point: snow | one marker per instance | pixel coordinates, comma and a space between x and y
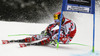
84, 36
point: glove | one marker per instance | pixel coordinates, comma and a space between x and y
53, 42
44, 32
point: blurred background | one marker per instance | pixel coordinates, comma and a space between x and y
37, 11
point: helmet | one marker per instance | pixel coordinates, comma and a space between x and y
57, 17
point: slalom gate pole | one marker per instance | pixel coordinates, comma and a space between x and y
23, 35
93, 50
60, 24
19, 35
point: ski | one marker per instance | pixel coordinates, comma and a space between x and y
22, 45
29, 44
5, 42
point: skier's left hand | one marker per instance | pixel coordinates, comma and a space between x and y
44, 32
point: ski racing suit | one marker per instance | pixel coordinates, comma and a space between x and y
68, 30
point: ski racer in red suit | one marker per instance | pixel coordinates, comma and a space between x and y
68, 30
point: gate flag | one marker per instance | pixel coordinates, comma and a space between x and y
82, 6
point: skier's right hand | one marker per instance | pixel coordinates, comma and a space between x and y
44, 32
53, 42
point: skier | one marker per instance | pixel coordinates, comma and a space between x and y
68, 30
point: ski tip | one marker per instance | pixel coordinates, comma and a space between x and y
5, 42
22, 45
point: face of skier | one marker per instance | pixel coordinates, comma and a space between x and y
57, 21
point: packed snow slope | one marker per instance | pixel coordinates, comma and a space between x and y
84, 36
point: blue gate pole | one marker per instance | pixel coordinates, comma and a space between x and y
60, 23
93, 4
